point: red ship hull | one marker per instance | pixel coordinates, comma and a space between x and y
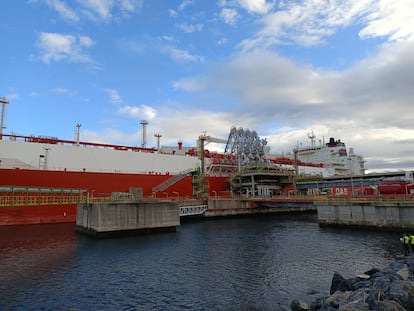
97, 184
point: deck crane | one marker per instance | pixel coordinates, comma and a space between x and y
202, 140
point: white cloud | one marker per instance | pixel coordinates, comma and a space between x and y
63, 10
65, 91
256, 6
309, 23
185, 3
12, 94
172, 13
109, 135
143, 112
189, 85
101, 8
94, 9
168, 38
393, 19
180, 55
229, 16
222, 41
61, 90
190, 28
86, 41
169, 123
55, 47
131, 6
368, 105
114, 96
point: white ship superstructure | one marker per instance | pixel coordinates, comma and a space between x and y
333, 156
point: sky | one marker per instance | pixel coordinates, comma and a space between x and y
282, 68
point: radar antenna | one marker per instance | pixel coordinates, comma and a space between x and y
312, 137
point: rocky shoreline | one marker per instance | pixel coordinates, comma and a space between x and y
388, 289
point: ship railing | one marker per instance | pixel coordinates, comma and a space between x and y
375, 198
55, 141
30, 196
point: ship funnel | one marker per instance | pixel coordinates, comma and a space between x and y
144, 124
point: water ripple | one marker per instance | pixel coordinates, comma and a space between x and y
259, 263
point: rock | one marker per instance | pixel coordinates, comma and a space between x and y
389, 289
337, 298
363, 276
336, 280
372, 271
410, 262
403, 273
381, 283
408, 288
297, 305
354, 306
397, 265
390, 305
397, 294
317, 304
361, 284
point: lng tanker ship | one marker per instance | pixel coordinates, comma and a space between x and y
46, 164
42, 179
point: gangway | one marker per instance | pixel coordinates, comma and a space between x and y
171, 181
192, 210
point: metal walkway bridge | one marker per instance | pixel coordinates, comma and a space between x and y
192, 210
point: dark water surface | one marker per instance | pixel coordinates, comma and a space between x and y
259, 263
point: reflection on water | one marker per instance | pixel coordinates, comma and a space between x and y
259, 263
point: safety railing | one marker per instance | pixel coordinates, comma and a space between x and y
403, 199
30, 196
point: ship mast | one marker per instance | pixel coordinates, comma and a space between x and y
158, 136
3, 102
78, 133
312, 137
144, 124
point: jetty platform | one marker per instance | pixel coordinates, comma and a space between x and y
126, 217
394, 213
218, 207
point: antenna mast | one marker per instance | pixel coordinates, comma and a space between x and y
144, 124
78, 134
158, 136
3, 102
312, 139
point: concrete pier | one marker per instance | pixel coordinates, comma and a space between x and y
126, 217
374, 213
252, 206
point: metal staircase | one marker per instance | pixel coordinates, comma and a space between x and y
171, 181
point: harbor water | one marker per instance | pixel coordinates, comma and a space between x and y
251, 263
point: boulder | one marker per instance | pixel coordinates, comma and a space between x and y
396, 293
354, 306
408, 288
297, 305
339, 283
403, 272
390, 305
410, 262
317, 304
336, 299
372, 271
389, 289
